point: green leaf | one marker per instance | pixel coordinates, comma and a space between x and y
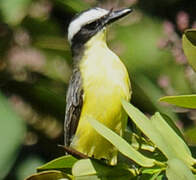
152, 170
171, 123
178, 146
186, 101
94, 177
96, 169
178, 170
59, 163
154, 177
12, 130
123, 147
14, 11
154, 132
160, 177
48, 175
83, 167
146, 126
189, 46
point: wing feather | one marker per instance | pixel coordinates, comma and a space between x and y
74, 102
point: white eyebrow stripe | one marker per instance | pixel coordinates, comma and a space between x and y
85, 18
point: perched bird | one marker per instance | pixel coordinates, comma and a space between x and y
98, 84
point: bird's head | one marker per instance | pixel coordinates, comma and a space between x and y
87, 23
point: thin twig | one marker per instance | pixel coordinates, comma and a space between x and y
74, 152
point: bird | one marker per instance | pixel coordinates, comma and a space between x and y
98, 84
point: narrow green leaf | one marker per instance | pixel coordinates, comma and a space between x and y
189, 46
171, 123
12, 129
125, 148
158, 131
59, 163
152, 170
48, 175
83, 167
186, 101
178, 146
94, 168
160, 177
94, 177
178, 170
154, 177
146, 126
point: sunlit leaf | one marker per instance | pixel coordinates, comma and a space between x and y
145, 125
178, 170
178, 146
83, 167
59, 163
189, 46
48, 175
93, 177
12, 132
14, 11
186, 101
171, 123
96, 169
154, 133
152, 170
123, 147
155, 176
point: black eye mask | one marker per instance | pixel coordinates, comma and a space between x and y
99, 23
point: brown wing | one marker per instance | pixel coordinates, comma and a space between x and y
74, 105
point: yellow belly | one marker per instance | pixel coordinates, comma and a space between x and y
105, 83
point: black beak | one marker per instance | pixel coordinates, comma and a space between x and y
115, 15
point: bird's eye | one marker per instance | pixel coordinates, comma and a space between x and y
92, 25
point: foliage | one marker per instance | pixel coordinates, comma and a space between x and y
35, 66
189, 45
48, 175
187, 101
156, 131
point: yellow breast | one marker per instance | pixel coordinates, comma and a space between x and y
105, 82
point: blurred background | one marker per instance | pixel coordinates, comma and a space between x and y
36, 64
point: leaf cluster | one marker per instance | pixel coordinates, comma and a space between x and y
143, 160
